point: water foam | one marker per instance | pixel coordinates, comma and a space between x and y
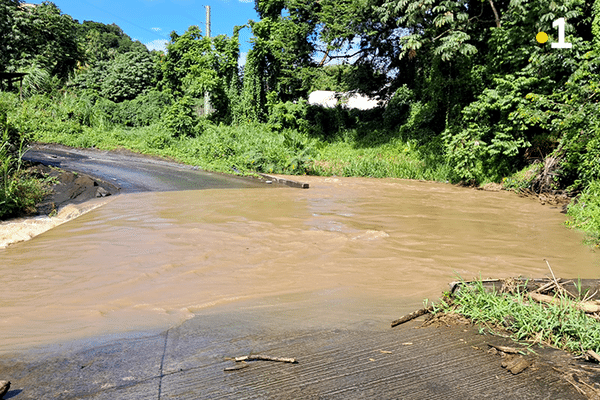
23, 229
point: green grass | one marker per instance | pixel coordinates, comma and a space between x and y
20, 189
585, 213
247, 148
395, 159
560, 325
522, 179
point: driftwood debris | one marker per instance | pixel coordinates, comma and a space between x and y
586, 306
412, 315
515, 364
236, 367
592, 355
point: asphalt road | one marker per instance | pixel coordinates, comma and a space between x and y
131, 172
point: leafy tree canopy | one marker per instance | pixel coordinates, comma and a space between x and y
103, 42
42, 36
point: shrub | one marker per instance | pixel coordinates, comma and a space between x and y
585, 212
181, 118
128, 75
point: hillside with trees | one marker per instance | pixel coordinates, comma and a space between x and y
466, 93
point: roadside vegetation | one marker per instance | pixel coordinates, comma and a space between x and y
20, 188
560, 321
466, 92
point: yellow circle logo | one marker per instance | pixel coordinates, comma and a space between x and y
541, 37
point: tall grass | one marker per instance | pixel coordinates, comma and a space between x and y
246, 148
585, 213
19, 190
560, 325
396, 159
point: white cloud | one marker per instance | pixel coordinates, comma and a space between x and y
156, 29
246, 1
157, 44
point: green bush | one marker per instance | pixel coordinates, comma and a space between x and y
398, 108
181, 118
128, 75
19, 192
289, 115
585, 213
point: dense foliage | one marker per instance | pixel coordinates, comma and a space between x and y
467, 93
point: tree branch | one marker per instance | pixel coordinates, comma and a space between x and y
495, 14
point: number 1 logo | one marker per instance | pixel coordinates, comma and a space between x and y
560, 23
542, 37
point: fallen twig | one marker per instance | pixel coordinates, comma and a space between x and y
260, 357
590, 296
237, 367
544, 287
412, 315
559, 287
505, 349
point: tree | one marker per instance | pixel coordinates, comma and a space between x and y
7, 49
128, 75
101, 42
196, 64
596, 25
43, 37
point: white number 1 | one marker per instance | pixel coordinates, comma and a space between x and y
561, 35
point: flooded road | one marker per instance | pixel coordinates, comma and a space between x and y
345, 251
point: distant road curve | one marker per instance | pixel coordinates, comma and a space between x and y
132, 172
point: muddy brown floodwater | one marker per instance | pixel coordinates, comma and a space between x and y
346, 251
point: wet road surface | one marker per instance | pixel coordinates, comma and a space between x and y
135, 173
189, 362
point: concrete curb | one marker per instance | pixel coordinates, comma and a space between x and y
287, 182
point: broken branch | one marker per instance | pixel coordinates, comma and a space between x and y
260, 357
412, 315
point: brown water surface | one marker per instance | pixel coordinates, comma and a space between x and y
346, 250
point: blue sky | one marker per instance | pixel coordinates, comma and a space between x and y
151, 21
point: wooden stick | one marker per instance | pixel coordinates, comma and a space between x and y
412, 315
505, 349
590, 296
587, 306
559, 287
544, 287
260, 357
553, 277
236, 367
593, 355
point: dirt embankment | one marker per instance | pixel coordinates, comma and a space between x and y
70, 188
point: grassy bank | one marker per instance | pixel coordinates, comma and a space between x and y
247, 148
20, 188
560, 324
585, 213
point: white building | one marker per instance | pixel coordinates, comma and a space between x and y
330, 99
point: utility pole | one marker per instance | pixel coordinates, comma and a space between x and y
207, 21
206, 94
